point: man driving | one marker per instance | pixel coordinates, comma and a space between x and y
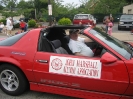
77, 44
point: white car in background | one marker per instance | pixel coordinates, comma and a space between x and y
15, 21
85, 19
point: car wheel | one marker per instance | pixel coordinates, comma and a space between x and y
119, 28
12, 80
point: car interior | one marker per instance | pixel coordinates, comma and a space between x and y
56, 40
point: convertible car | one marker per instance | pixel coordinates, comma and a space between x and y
41, 60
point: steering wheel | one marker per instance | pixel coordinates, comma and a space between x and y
97, 50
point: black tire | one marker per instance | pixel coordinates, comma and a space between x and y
12, 80
119, 28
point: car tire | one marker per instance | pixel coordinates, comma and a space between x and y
119, 28
12, 80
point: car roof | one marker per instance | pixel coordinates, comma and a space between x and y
68, 26
60, 29
127, 14
83, 14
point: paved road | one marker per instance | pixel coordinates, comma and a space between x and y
40, 95
34, 95
115, 29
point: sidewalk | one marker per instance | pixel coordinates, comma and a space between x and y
120, 36
123, 36
13, 32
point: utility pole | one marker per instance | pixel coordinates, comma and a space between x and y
50, 12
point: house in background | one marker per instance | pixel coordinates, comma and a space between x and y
128, 9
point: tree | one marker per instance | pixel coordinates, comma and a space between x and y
25, 8
107, 6
40, 4
84, 2
9, 3
129, 1
1, 7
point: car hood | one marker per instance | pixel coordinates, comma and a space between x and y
126, 20
2, 39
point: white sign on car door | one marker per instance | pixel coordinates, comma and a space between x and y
75, 66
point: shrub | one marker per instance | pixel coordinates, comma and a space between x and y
42, 20
31, 23
38, 25
3, 20
64, 21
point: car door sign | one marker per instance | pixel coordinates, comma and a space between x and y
75, 66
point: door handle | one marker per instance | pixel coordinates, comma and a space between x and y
42, 61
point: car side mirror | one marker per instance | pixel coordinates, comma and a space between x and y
108, 58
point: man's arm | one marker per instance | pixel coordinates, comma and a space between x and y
78, 54
87, 40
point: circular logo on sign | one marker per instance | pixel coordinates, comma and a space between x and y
56, 64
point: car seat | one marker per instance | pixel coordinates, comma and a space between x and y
57, 45
65, 44
45, 45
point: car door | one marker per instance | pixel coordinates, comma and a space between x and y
81, 72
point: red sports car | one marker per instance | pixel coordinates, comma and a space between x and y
41, 60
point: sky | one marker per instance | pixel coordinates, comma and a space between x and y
71, 1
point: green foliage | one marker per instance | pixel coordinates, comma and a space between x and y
106, 6
4, 21
1, 7
42, 20
64, 21
26, 7
32, 23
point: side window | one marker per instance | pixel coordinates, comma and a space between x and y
87, 47
90, 17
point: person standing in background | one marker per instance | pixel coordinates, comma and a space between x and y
110, 26
1, 27
22, 25
26, 27
9, 26
111, 18
106, 24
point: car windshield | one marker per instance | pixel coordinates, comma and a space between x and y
126, 17
81, 17
117, 45
11, 40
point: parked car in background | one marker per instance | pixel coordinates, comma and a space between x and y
24, 19
125, 22
132, 30
15, 21
85, 19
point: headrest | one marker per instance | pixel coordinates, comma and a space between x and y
67, 39
56, 43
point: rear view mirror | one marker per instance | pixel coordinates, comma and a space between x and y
108, 58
